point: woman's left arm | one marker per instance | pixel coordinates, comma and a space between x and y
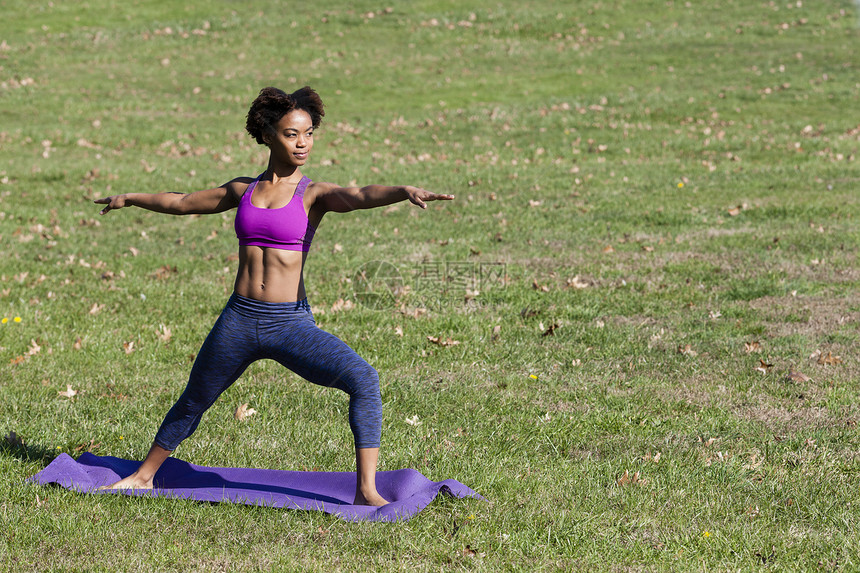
344, 199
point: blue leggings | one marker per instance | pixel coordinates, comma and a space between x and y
250, 330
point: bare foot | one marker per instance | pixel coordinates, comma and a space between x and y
371, 498
131, 482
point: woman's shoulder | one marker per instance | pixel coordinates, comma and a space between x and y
239, 185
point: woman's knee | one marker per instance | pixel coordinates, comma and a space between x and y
362, 381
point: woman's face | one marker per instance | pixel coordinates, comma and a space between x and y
293, 138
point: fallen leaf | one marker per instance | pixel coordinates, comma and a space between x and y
533, 203
34, 348
79, 343
69, 393
446, 342
797, 376
627, 479
828, 359
165, 334
578, 283
164, 272
398, 331
539, 287
750, 347
763, 366
608, 249
85, 447
128, 347
551, 330
413, 421
709, 442
687, 350
735, 211
497, 330
341, 304
243, 412
96, 308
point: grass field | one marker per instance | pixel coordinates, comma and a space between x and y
650, 273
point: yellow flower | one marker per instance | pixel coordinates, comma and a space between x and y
17, 319
706, 534
532, 376
4, 321
120, 437
680, 184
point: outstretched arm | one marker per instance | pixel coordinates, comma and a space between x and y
344, 199
207, 201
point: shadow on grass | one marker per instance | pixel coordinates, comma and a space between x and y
14, 447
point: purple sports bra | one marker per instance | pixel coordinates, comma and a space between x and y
286, 228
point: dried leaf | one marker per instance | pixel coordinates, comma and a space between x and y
243, 412
551, 330
735, 211
608, 249
797, 376
87, 447
497, 330
750, 347
164, 272
686, 350
539, 287
446, 342
413, 421
69, 393
164, 333
398, 330
763, 366
341, 304
96, 308
578, 283
626, 479
34, 348
828, 359
128, 347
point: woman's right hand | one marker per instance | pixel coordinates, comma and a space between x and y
112, 202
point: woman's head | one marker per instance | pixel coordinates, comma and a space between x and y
272, 104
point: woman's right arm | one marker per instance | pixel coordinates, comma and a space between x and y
203, 202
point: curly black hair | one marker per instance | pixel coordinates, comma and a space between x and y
272, 104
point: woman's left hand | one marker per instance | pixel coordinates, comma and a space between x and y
419, 196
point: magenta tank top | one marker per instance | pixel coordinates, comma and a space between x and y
286, 228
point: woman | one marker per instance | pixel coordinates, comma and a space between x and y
268, 315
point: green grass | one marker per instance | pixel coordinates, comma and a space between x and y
693, 166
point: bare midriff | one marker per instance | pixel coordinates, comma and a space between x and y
270, 275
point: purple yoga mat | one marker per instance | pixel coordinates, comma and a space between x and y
332, 492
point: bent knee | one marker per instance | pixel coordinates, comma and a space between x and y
362, 381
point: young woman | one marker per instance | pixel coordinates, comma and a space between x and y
268, 315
